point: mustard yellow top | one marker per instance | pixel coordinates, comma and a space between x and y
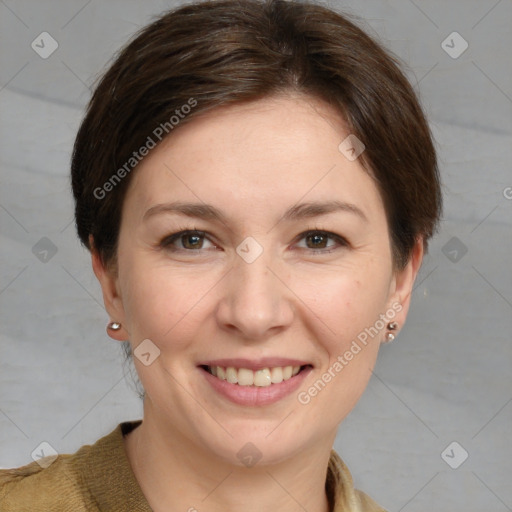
99, 477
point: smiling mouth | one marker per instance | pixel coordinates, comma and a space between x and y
259, 378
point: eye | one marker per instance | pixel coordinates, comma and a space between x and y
190, 240
316, 241
193, 240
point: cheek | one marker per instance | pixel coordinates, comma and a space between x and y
346, 300
169, 305
163, 304
341, 308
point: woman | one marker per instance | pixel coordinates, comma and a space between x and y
257, 184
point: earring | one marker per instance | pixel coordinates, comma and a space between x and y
392, 326
114, 326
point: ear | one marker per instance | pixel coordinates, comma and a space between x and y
403, 282
111, 297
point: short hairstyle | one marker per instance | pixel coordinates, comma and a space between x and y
217, 53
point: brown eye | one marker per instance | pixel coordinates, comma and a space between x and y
317, 241
191, 240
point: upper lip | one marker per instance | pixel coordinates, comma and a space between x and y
255, 364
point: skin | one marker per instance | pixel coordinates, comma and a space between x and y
252, 161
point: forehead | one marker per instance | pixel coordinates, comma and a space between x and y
259, 157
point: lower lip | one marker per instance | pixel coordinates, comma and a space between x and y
256, 395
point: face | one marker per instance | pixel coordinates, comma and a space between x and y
278, 255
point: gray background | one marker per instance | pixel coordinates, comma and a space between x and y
448, 375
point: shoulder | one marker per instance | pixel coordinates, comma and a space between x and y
36, 488
96, 477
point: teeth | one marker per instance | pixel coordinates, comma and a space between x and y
276, 375
231, 375
245, 377
260, 378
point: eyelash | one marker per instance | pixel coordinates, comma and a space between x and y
167, 242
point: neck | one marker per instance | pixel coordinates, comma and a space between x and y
177, 475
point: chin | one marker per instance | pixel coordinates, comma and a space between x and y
263, 444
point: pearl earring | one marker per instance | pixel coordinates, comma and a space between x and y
114, 326
392, 326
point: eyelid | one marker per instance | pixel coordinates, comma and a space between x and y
342, 241
167, 241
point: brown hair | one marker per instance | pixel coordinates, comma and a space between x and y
203, 55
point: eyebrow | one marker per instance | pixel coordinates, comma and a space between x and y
296, 212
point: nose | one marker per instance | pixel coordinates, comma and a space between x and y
256, 303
